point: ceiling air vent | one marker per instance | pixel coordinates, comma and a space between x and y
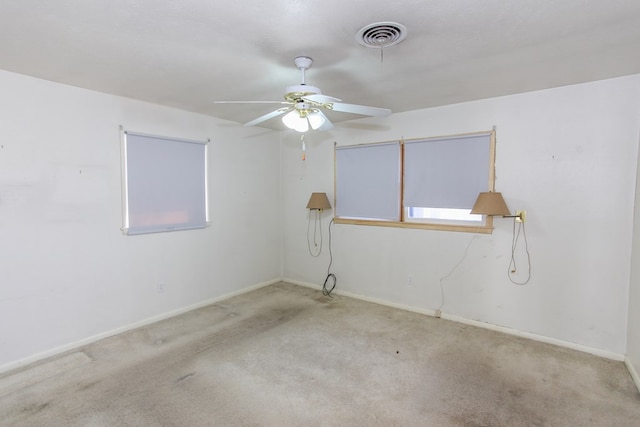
381, 34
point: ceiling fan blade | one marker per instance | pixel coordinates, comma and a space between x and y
268, 116
359, 109
322, 99
327, 125
251, 102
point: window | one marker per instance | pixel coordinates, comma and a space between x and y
368, 177
421, 183
164, 184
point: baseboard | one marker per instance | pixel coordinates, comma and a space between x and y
633, 372
540, 338
83, 342
561, 343
363, 298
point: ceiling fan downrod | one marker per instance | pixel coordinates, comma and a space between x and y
303, 63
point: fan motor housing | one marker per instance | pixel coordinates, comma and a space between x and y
295, 93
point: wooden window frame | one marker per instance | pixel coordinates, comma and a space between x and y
485, 228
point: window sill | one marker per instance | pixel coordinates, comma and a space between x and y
482, 229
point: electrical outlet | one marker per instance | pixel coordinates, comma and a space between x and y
160, 288
410, 280
438, 314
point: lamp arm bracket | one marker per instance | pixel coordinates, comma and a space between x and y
520, 216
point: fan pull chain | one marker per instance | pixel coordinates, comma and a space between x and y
304, 157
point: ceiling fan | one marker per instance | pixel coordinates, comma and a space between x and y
305, 105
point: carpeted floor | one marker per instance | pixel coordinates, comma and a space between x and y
288, 356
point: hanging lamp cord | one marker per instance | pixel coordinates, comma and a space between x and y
316, 225
331, 281
514, 245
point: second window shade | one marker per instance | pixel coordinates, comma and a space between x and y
446, 173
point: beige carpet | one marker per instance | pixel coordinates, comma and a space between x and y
288, 356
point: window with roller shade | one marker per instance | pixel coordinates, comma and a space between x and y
420, 183
368, 182
164, 184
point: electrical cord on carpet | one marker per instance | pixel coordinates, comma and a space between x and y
326, 290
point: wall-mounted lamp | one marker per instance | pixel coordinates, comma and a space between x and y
493, 204
319, 201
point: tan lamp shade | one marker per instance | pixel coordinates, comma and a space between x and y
490, 204
319, 201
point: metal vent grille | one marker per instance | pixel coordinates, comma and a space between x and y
381, 34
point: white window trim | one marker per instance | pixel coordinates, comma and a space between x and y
125, 185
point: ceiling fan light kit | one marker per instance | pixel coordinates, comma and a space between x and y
301, 120
305, 104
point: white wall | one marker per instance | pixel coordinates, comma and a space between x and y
633, 336
567, 155
67, 272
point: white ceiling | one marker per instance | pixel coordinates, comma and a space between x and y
188, 53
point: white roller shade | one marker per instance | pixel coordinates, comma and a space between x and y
446, 173
368, 181
165, 182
